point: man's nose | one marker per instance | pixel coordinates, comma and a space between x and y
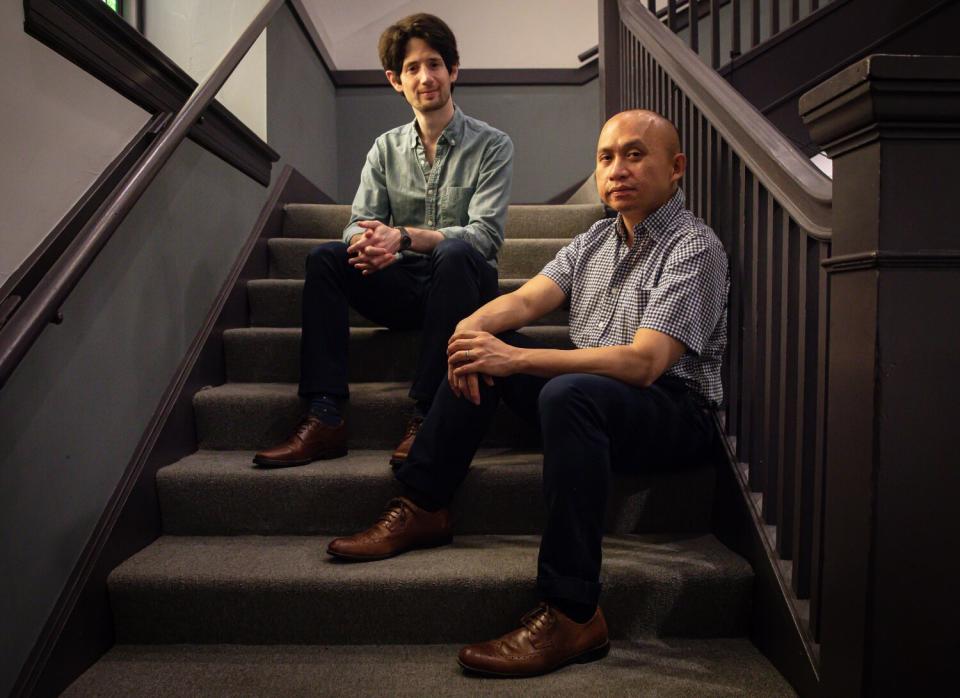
617, 169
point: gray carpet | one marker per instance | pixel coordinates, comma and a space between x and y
287, 590
222, 493
695, 668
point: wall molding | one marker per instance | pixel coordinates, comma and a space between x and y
96, 39
79, 629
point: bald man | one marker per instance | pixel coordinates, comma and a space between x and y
648, 295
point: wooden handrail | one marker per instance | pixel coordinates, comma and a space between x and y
804, 191
43, 305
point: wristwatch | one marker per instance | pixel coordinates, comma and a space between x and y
405, 239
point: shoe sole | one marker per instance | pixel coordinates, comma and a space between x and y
591, 655
374, 558
325, 455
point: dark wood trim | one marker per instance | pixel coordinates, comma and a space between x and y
777, 622
889, 259
96, 39
483, 77
29, 273
80, 628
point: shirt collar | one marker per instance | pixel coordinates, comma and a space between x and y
452, 132
657, 224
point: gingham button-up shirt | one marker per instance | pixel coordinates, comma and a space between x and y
673, 279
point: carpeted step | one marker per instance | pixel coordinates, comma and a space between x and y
251, 416
272, 354
286, 589
667, 667
278, 303
533, 221
222, 493
521, 258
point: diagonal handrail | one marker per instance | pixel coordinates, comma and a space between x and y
802, 189
42, 306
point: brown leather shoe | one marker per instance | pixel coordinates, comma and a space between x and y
402, 526
546, 641
312, 440
400, 454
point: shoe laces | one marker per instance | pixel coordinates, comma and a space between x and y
305, 425
413, 426
538, 619
393, 514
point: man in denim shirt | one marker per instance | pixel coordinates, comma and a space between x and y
420, 250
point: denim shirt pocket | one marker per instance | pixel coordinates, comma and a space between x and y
454, 205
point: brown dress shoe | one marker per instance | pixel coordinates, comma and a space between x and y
400, 454
402, 526
313, 440
546, 641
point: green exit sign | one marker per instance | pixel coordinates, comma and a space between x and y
113, 5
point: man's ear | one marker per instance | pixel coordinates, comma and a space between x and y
454, 73
679, 167
394, 80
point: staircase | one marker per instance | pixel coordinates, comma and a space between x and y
239, 598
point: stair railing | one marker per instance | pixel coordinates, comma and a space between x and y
43, 304
682, 15
773, 211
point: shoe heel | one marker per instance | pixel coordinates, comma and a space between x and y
594, 654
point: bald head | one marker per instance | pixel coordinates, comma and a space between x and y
652, 125
639, 163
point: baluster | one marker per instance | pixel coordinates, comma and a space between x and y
819, 454
795, 11
672, 15
773, 276
806, 425
631, 96
754, 23
791, 381
730, 198
693, 22
814, 4
775, 17
715, 33
624, 37
652, 6
758, 428
747, 325
703, 155
735, 30
758, 273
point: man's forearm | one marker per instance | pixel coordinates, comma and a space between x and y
628, 363
507, 312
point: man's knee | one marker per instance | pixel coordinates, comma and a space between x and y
571, 393
452, 253
327, 256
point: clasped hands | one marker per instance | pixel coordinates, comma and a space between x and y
473, 355
375, 248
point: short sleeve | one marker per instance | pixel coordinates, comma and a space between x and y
692, 294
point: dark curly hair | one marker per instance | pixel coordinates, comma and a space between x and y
433, 30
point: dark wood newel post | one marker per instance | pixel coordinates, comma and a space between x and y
889, 612
609, 58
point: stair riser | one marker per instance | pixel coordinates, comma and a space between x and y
349, 613
278, 303
378, 422
518, 258
492, 500
268, 356
328, 221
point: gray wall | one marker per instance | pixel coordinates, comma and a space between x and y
75, 408
60, 127
301, 104
554, 131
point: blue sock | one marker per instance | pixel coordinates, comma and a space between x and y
326, 409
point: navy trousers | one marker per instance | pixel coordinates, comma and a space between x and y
433, 293
591, 427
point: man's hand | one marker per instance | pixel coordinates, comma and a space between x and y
473, 354
374, 249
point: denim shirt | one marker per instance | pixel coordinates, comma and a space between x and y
463, 195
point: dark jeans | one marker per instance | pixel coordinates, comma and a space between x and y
591, 427
433, 293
